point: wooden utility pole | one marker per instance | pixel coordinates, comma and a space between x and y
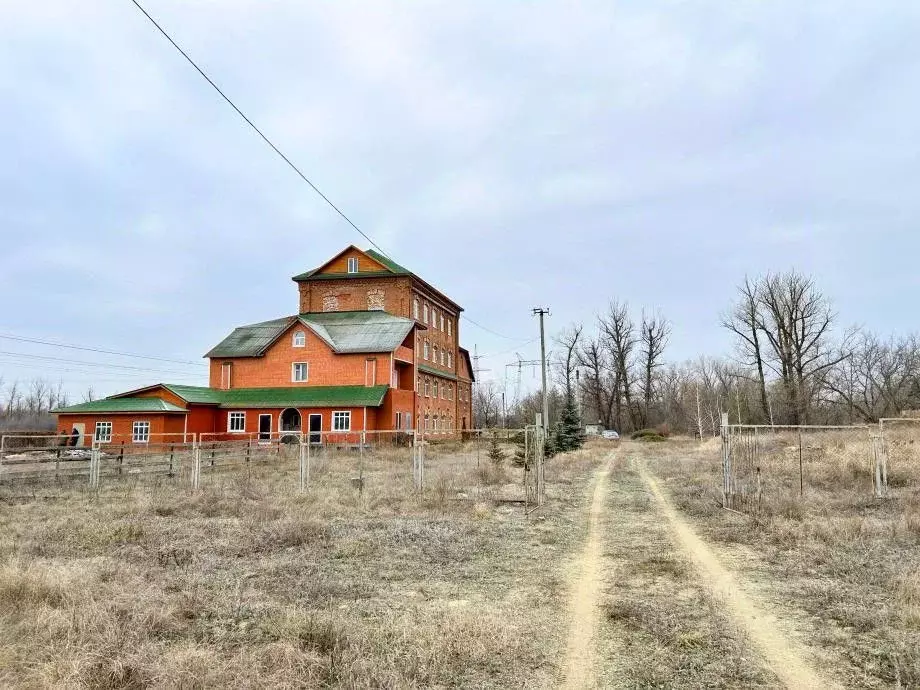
543, 311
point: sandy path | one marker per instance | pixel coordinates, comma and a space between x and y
783, 656
585, 592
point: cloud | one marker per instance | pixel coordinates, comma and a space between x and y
513, 154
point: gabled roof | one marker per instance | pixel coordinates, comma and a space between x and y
252, 340
379, 258
392, 267
344, 331
359, 331
122, 405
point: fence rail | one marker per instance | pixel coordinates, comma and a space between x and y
348, 460
767, 466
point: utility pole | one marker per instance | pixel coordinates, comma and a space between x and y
543, 311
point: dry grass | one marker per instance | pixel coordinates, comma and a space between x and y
841, 563
248, 583
662, 628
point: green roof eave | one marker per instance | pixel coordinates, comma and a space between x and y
304, 396
436, 372
338, 276
122, 405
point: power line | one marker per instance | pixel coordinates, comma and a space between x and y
39, 341
282, 155
256, 129
82, 362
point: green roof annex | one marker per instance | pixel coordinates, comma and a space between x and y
343, 331
304, 396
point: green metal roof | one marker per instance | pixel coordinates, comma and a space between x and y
201, 395
359, 331
305, 396
122, 405
437, 372
389, 263
343, 331
251, 340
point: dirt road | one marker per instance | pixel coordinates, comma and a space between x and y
782, 655
585, 584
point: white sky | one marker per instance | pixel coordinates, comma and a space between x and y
513, 154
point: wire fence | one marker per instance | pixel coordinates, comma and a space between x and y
765, 467
484, 465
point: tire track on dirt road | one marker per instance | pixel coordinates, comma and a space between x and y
585, 593
783, 656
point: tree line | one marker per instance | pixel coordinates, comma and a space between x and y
790, 363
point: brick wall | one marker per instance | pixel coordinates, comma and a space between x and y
122, 424
326, 368
356, 294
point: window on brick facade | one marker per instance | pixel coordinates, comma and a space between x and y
443, 357
442, 323
300, 371
415, 308
425, 313
449, 328
427, 350
341, 421
450, 391
236, 422
103, 432
226, 374
436, 388
427, 387
300, 339
353, 264
450, 360
434, 357
140, 432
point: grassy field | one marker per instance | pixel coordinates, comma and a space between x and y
841, 566
249, 583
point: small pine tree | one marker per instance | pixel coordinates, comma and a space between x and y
569, 434
496, 455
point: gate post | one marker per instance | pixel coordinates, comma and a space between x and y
196, 466
304, 464
94, 466
726, 462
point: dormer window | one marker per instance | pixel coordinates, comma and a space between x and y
300, 339
353, 264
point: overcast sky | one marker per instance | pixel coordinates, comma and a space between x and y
513, 154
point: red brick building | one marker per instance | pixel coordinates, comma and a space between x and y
373, 347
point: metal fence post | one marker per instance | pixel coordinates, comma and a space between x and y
801, 468
196, 466
726, 462
304, 464
94, 466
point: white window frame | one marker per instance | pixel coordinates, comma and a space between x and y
449, 333
443, 358
427, 387
425, 312
450, 359
434, 354
239, 417
435, 387
352, 264
337, 416
415, 308
102, 438
442, 323
426, 349
306, 370
299, 339
143, 437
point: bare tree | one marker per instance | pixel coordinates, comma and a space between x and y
744, 321
619, 335
486, 405
598, 385
568, 359
653, 337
